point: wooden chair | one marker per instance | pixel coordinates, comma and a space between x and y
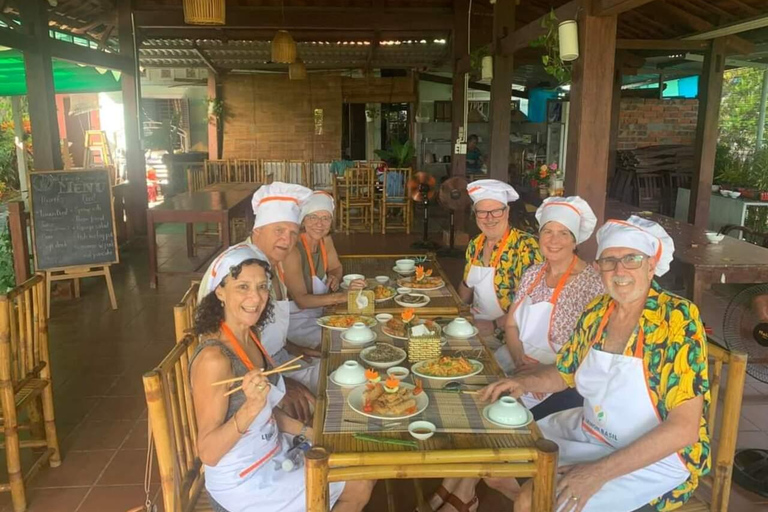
321, 177
184, 311
395, 197
718, 481
358, 195
174, 429
249, 171
25, 384
649, 189
674, 181
750, 235
297, 172
196, 177
217, 171
277, 169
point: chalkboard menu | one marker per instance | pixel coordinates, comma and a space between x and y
72, 222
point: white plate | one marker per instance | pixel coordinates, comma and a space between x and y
404, 273
333, 379
368, 320
389, 298
475, 332
355, 401
504, 425
408, 305
381, 365
416, 370
370, 339
406, 283
386, 331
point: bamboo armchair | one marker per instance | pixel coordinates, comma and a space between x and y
276, 169
249, 171
217, 171
719, 479
395, 197
196, 177
358, 192
25, 384
184, 311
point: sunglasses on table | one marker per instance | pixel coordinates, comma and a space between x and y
629, 262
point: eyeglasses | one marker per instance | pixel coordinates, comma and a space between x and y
326, 219
496, 214
629, 262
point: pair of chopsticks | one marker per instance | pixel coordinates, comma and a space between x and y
285, 367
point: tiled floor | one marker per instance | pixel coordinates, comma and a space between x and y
99, 355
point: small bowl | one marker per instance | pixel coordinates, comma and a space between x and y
383, 318
404, 290
350, 373
734, 194
459, 327
715, 188
399, 372
359, 332
725, 193
382, 279
405, 265
352, 277
507, 411
422, 430
714, 237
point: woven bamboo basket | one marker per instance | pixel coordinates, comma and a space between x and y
205, 12
283, 48
421, 348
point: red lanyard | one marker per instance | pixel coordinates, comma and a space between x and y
323, 254
239, 349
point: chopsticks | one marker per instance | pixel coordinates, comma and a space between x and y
385, 440
285, 367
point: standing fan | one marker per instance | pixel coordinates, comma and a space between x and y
453, 196
422, 190
745, 328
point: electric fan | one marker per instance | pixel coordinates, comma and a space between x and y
745, 328
421, 188
454, 197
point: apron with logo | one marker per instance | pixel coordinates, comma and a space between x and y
246, 479
275, 334
303, 329
485, 302
617, 411
534, 324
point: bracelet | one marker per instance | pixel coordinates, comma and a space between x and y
234, 418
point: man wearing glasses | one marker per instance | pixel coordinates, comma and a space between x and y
497, 257
638, 357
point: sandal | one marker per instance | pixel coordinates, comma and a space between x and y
459, 505
441, 493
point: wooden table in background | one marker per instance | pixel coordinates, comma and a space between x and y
702, 263
217, 204
373, 265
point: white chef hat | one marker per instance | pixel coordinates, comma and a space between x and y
319, 201
644, 235
492, 189
572, 212
278, 202
220, 266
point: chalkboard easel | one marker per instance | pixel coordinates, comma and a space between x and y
73, 226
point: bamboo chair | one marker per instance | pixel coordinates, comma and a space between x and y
395, 197
278, 169
184, 311
217, 171
174, 429
359, 194
249, 171
25, 384
195, 177
650, 188
321, 176
719, 479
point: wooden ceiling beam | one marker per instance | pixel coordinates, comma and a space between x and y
523, 36
745, 7
692, 21
227, 34
661, 44
615, 7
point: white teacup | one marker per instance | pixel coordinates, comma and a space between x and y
507, 411
352, 277
350, 373
383, 318
405, 265
358, 332
459, 327
404, 290
382, 280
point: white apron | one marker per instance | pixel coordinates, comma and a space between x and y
485, 303
275, 334
617, 411
534, 324
303, 329
246, 479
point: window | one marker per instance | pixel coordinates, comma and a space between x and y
443, 112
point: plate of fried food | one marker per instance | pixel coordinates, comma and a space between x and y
447, 368
396, 328
388, 400
383, 293
425, 284
344, 322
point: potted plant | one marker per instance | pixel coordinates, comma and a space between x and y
399, 155
550, 43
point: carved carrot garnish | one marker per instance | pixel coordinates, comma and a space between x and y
407, 315
372, 375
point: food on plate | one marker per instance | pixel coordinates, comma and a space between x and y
396, 326
447, 366
381, 403
421, 274
383, 292
383, 353
391, 385
372, 376
413, 299
426, 282
345, 321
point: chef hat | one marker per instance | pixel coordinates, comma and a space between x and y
644, 235
319, 201
492, 189
278, 202
219, 268
572, 212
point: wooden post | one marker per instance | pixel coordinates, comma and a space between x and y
501, 90
17, 224
544, 480
214, 128
710, 92
317, 480
21, 156
613, 146
134, 156
460, 68
590, 125
40, 88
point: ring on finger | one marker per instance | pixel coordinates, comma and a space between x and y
574, 498
261, 387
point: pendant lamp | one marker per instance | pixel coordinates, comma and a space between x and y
297, 70
283, 48
568, 33
486, 69
204, 12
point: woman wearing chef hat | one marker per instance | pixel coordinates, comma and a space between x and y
552, 296
243, 438
497, 257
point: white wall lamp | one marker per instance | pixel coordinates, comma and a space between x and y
568, 33
486, 69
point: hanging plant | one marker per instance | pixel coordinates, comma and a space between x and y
216, 110
550, 42
476, 61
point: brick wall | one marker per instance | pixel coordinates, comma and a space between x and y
652, 122
272, 117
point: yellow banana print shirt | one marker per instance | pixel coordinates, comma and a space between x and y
675, 357
518, 253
